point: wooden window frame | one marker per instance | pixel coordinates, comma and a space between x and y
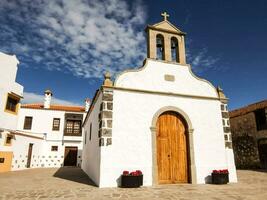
9, 95
24, 126
66, 133
54, 146
54, 128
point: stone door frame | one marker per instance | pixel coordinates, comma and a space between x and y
189, 132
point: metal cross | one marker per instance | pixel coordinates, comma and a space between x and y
165, 15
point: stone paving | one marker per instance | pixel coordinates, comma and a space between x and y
72, 183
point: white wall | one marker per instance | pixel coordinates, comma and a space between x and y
42, 122
3, 135
19, 147
151, 77
133, 112
8, 71
91, 155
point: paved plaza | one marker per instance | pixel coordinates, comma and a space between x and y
72, 183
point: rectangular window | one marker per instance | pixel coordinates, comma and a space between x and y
56, 124
28, 123
85, 136
12, 103
76, 127
73, 127
8, 140
54, 148
261, 119
90, 136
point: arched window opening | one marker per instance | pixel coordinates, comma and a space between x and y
160, 47
174, 50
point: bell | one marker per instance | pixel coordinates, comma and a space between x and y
159, 42
174, 45
159, 45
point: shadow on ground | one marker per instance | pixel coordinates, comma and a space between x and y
258, 170
75, 174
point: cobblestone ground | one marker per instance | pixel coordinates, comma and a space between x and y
72, 183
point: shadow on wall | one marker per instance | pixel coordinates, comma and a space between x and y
79, 156
75, 174
118, 180
208, 179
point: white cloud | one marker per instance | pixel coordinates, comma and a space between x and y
201, 61
85, 37
29, 97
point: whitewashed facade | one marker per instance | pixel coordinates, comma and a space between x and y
38, 143
10, 94
123, 118
55, 142
9, 86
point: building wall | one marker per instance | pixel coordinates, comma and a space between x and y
91, 155
131, 147
19, 149
245, 140
8, 120
8, 71
165, 77
42, 123
133, 111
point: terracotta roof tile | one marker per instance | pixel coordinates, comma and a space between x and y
55, 107
248, 108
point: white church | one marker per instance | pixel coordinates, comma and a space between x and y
160, 119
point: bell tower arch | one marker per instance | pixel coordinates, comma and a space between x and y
166, 42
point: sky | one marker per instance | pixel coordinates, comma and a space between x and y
67, 45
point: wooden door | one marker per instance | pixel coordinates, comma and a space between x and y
171, 149
5, 161
29, 155
70, 156
263, 152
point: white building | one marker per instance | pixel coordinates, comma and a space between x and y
36, 135
160, 119
10, 94
60, 126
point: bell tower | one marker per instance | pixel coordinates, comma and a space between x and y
165, 42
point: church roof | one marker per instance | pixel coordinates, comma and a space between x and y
248, 108
55, 107
165, 25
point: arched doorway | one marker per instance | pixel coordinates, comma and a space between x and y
172, 148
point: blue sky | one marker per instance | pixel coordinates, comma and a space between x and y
67, 45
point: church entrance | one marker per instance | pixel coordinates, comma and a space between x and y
172, 149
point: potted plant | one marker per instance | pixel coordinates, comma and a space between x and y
131, 180
220, 176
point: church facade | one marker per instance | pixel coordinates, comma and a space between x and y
160, 119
